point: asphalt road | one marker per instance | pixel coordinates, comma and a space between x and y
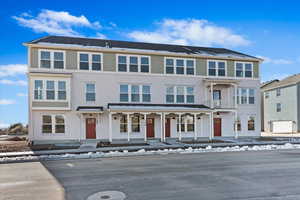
263, 175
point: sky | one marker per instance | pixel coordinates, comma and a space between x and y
267, 29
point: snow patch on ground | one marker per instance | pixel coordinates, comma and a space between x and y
150, 152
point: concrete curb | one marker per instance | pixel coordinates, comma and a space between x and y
136, 148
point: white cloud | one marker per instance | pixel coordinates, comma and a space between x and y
6, 101
11, 82
190, 32
22, 94
100, 36
12, 69
278, 61
3, 125
56, 22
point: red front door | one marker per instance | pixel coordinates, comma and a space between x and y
90, 125
150, 127
217, 127
167, 127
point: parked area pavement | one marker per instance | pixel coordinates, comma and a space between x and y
268, 134
264, 175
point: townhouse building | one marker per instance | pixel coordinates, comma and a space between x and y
280, 105
94, 89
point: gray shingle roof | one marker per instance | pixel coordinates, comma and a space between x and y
290, 80
208, 51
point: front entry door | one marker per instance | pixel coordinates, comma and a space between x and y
150, 127
167, 127
217, 127
90, 124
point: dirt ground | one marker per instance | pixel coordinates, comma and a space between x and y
12, 146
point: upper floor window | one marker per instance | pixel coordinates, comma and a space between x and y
267, 94
180, 94
278, 92
50, 90
135, 93
133, 63
278, 107
216, 68
179, 66
246, 96
243, 69
90, 61
53, 124
51, 59
90, 92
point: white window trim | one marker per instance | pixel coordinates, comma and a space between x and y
247, 96
217, 68
128, 63
185, 124
184, 66
244, 69
85, 92
140, 93
254, 123
53, 123
44, 97
90, 61
175, 93
51, 59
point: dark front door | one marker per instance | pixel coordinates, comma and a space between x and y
217, 127
90, 125
167, 127
150, 127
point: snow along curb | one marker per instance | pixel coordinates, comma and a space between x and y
125, 153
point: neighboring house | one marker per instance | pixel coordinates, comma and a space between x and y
281, 109
82, 88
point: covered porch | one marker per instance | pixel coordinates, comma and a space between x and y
159, 121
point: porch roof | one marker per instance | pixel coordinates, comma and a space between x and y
130, 107
90, 109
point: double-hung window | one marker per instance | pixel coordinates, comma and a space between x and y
246, 96
278, 92
180, 94
90, 92
278, 107
190, 67
53, 124
133, 63
38, 89
216, 68
62, 93
179, 66
267, 94
145, 64
243, 69
123, 124
146, 93
135, 93
50, 90
51, 59
135, 124
169, 66
90, 61
187, 123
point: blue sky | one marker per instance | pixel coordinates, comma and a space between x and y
269, 29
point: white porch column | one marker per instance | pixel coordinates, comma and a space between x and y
110, 126
145, 127
195, 126
211, 95
201, 125
235, 95
128, 127
211, 135
162, 126
179, 126
235, 125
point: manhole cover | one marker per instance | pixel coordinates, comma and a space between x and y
108, 195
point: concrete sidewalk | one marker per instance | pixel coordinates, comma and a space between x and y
228, 142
